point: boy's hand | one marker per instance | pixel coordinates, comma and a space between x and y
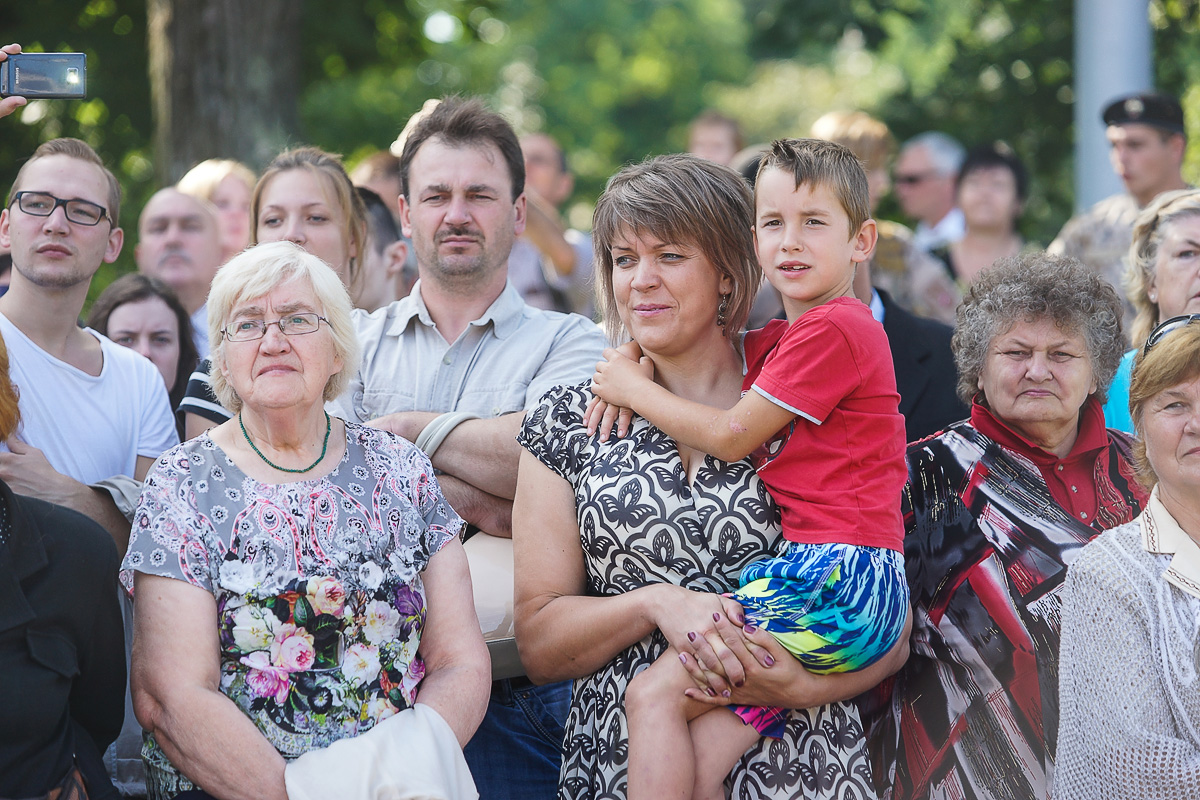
601, 415
619, 380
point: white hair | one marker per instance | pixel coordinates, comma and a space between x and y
255, 272
944, 151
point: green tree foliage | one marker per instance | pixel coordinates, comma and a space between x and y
979, 70
1176, 26
115, 116
615, 81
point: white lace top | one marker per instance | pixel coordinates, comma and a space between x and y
1130, 670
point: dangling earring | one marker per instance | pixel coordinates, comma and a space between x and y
722, 310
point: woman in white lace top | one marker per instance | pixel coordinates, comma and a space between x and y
1130, 667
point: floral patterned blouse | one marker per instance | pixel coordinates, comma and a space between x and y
320, 603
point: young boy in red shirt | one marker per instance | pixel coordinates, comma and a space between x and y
819, 419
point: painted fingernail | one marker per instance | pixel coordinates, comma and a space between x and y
750, 627
716, 617
741, 619
710, 693
770, 661
683, 658
725, 693
739, 684
691, 636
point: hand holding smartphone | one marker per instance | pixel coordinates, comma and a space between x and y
10, 104
37, 75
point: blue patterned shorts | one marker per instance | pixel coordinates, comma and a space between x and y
836, 607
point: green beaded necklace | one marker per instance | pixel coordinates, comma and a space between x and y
309, 468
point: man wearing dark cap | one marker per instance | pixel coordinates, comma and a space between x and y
1145, 132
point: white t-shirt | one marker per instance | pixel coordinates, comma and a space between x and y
200, 331
90, 427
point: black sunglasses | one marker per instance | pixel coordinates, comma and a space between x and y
1174, 323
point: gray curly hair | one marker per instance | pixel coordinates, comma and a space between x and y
1035, 286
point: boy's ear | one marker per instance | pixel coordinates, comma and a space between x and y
864, 242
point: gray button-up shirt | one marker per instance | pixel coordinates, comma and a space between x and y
503, 362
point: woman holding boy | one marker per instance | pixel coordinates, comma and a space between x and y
820, 417
626, 545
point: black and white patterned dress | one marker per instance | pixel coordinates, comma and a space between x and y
640, 522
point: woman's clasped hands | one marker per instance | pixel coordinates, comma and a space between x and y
718, 646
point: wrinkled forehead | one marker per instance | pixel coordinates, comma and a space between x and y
444, 163
294, 293
174, 204
1039, 329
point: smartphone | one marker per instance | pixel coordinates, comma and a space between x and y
44, 75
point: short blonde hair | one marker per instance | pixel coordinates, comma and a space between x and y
1148, 232
255, 272
80, 151
203, 179
865, 136
1172, 361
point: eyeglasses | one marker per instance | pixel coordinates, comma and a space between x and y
1174, 323
914, 179
81, 212
247, 330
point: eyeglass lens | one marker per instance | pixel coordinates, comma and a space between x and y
291, 325
81, 212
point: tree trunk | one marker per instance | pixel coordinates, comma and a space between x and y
224, 80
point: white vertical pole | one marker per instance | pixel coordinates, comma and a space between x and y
1113, 56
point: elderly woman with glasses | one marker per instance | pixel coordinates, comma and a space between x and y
1163, 280
299, 579
1131, 606
995, 508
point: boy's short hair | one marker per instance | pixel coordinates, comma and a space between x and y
820, 163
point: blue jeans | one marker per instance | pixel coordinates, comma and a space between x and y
517, 751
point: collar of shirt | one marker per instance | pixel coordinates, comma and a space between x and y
949, 228
876, 305
504, 313
1162, 534
1071, 480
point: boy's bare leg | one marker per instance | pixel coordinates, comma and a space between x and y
719, 739
662, 763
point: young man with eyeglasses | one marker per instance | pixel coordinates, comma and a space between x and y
94, 415
90, 409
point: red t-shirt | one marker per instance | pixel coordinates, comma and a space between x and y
837, 470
